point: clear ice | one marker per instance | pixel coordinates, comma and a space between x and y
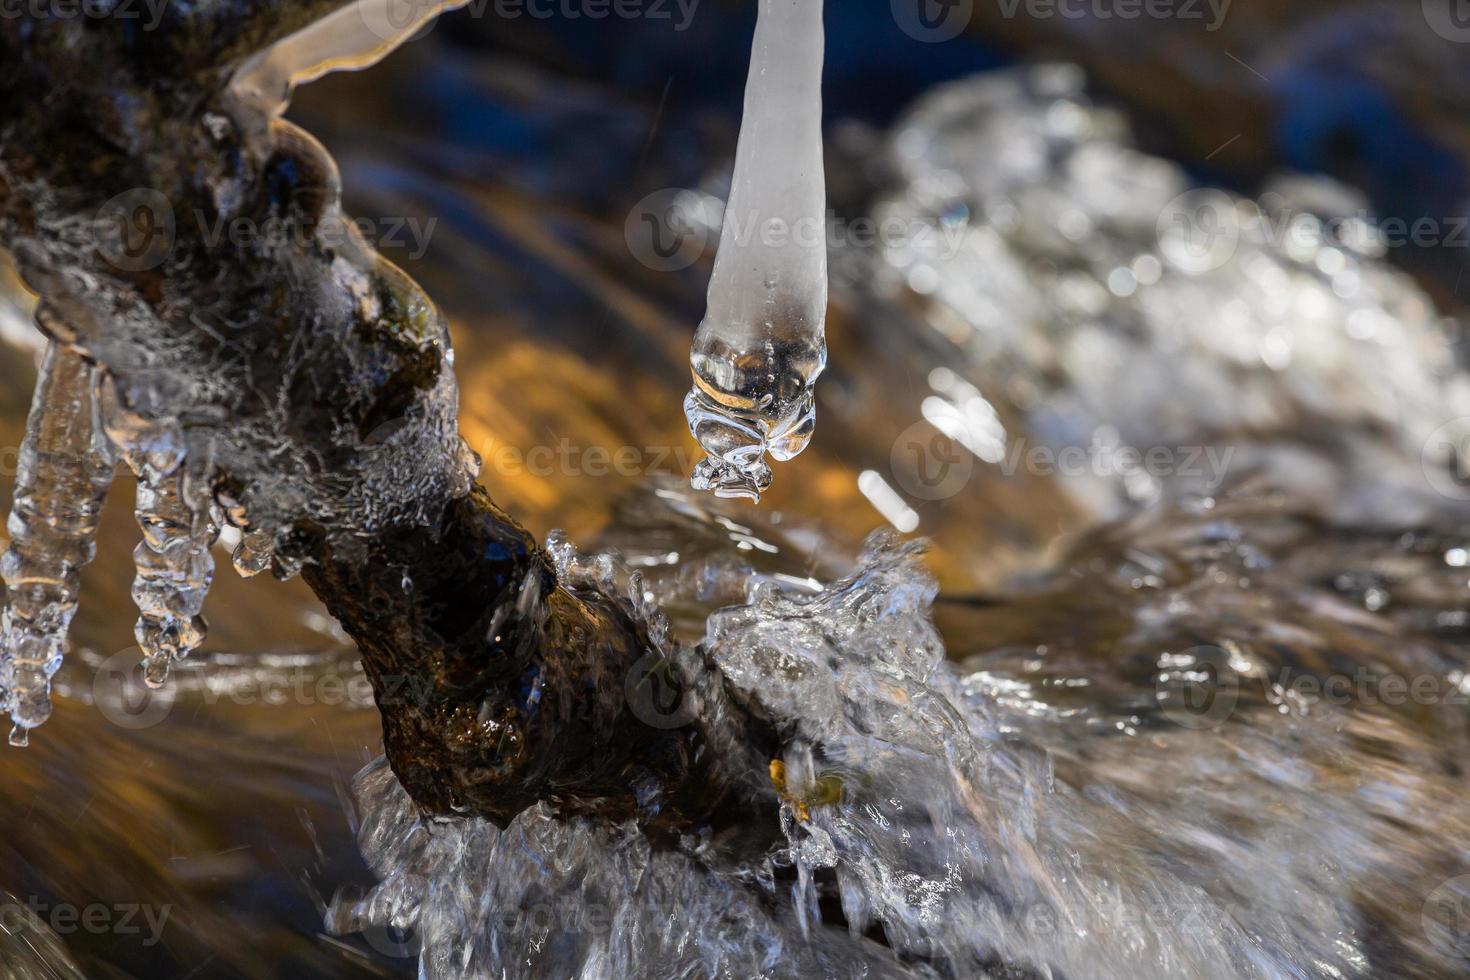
173, 562
65, 469
357, 36
762, 345
75, 436
174, 571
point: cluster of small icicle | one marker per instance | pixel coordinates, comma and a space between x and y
76, 434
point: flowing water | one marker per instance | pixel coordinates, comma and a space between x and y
1221, 737
1199, 711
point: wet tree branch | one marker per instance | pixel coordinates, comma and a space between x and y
312, 384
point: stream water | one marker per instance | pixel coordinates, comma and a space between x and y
1200, 711
1218, 738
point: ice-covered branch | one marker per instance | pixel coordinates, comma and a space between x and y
302, 385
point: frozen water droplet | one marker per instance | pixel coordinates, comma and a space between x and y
155, 672
574, 568
175, 568
762, 344
253, 554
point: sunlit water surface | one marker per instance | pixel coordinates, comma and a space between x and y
1150, 726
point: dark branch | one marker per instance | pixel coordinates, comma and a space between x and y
311, 382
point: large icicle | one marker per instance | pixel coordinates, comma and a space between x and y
65, 469
762, 345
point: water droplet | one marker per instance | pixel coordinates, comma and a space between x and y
155, 672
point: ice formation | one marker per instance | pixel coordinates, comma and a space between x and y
173, 413
761, 345
357, 36
175, 568
65, 469
75, 436
179, 524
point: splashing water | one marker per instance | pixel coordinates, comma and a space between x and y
1053, 798
1027, 810
1045, 806
761, 346
1120, 309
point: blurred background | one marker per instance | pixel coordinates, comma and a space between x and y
501, 160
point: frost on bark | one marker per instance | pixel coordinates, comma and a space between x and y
307, 383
